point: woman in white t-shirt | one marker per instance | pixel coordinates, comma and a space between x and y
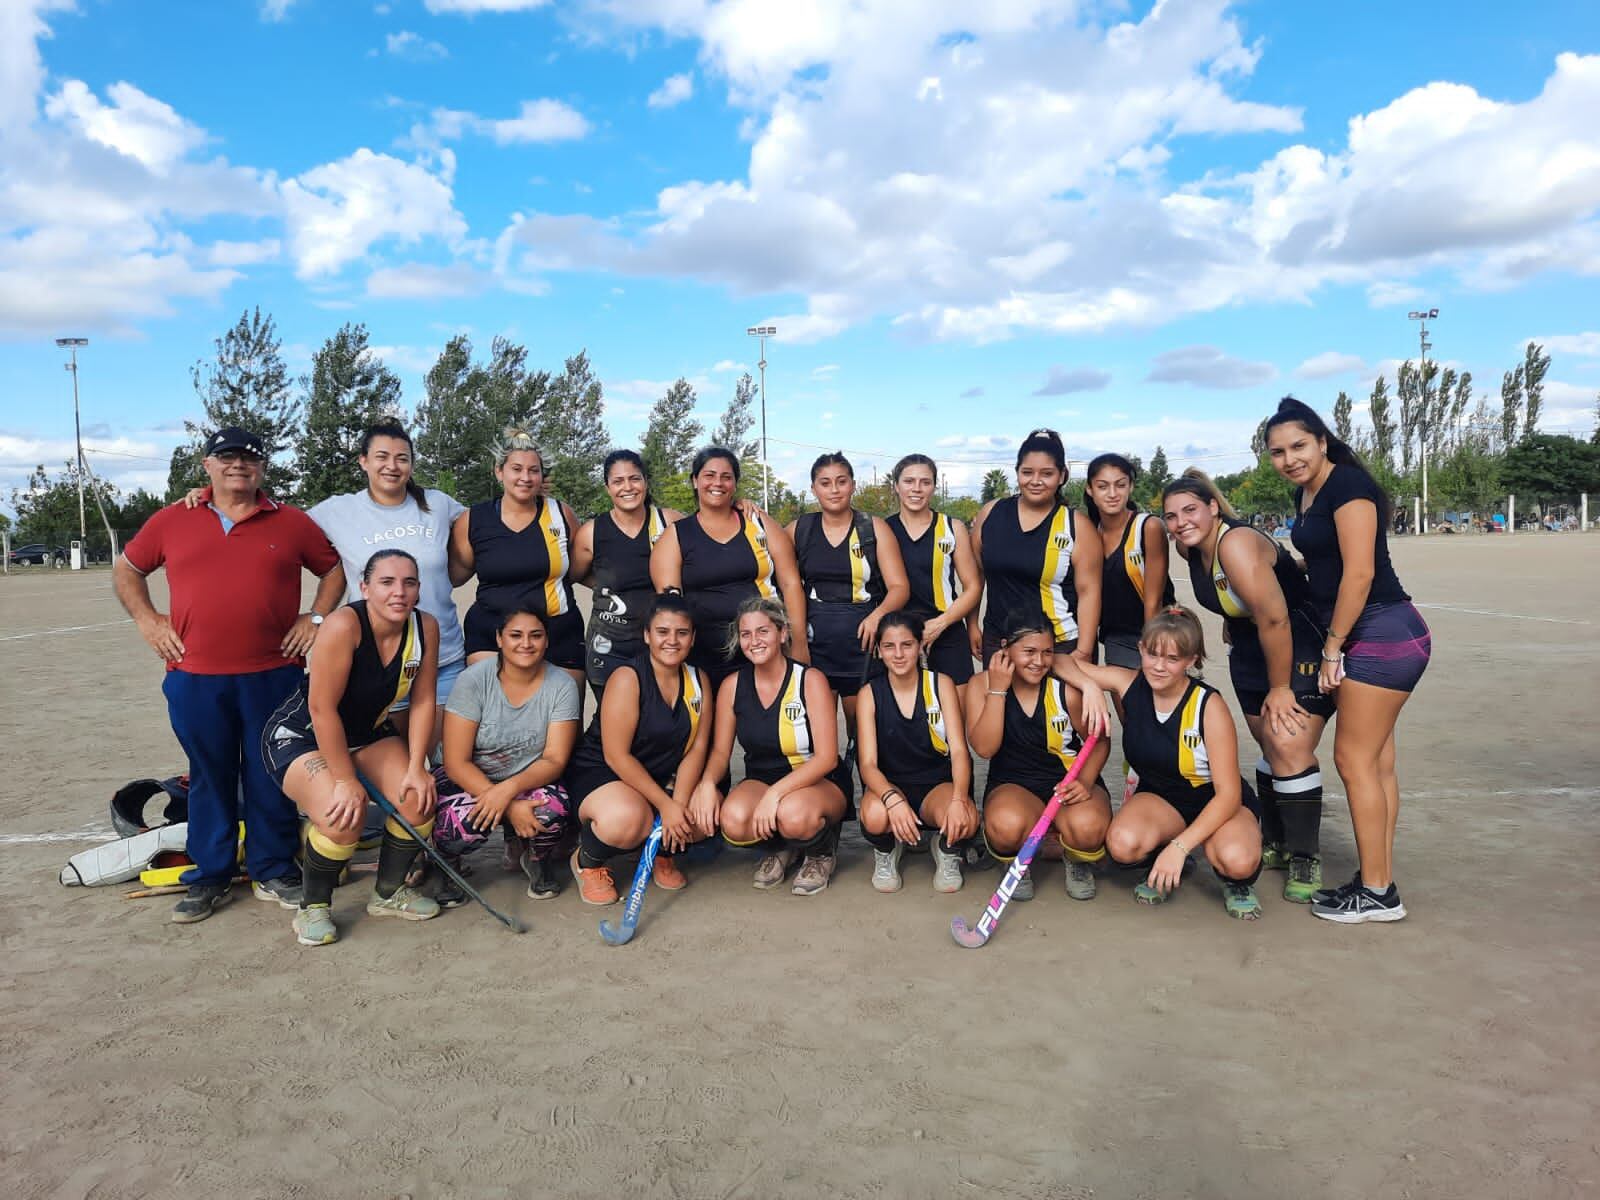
510, 726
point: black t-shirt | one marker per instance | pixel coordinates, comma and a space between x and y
1317, 539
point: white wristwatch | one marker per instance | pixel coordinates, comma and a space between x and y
317, 619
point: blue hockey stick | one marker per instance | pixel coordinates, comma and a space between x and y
621, 935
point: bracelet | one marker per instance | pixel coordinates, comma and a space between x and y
993, 692
1326, 657
889, 795
1176, 842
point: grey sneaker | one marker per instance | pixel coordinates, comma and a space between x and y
203, 900
886, 868
1024, 885
814, 874
286, 890
1080, 878
946, 867
771, 869
314, 926
407, 903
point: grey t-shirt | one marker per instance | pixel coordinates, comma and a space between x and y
510, 737
358, 526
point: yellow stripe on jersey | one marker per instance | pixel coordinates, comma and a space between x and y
794, 731
554, 527
944, 563
1057, 562
655, 526
1230, 601
1133, 552
757, 537
860, 568
1193, 764
410, 664
693, 700
930, 702
1057, 722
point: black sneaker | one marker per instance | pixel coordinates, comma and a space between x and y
286, 890
1336, 895
203, 900
543, 882
1362, 904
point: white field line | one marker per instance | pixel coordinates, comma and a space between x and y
17, 637
1489, 612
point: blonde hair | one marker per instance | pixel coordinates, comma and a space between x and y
1175, 624
770, 608
512, 440
1195, 482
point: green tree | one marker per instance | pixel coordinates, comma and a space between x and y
995, 485
349, 388
1342, 428
245, 383
738, 419
1551, 467
1458, 405
1382, 422
1406, 391
1510, 405
672, 434
452, 433
1438, 426
1467, 478
1262, 490
1159, 474
1535, 364
569, 421
47, 508
961, 508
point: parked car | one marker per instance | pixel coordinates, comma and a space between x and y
39, 554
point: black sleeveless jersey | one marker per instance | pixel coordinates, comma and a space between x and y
930, 565
623, 592
914, 749
1213, 591
1169, 755
720, 576
776, 737
371, 690
844, 574
664, 732
1036, 751
1029, 571
1122, 583
523, 567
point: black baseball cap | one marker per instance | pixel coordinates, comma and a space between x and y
231, 437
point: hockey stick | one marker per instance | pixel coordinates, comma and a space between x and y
974, 937
438, 860
621, 935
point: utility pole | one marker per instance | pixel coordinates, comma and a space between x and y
71, 344
764, 332
1422, 317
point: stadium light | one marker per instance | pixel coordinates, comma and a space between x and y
71, 345
763, 332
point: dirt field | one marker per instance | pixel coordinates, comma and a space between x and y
750, 1044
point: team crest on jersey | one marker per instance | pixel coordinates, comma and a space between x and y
793, 711
408, 672
1191, 738
947, 544
1060, 539
857, 551
1137, 558
1306, 668
1058, 722
1222, 583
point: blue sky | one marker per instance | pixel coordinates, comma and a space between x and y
1137, 223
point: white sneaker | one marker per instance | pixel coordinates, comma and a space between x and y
946, 867
886, 868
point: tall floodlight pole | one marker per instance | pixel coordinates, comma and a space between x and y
71, 344
1422, 318
764, 332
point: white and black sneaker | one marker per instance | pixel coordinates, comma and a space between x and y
1335, 895
1361, 904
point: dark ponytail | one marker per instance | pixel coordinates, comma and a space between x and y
1097, 464
393, 429
1047, 442
1339, 451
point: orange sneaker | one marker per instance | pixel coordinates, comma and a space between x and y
668, 875
595, 885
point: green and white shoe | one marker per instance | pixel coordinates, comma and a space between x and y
1274, 856
313, 926
1305, 879
1143, 893
407, 903
1240, 901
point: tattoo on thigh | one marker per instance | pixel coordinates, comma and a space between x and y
315, 765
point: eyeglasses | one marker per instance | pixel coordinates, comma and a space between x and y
233, 456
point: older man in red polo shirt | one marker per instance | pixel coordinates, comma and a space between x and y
233, 647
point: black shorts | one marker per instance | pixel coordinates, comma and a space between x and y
835, 648
1040, 789
1121, 650
1191, 801
951, 654
565, 633
838, 777
1247, 667
288, 736
991, 643
603, 655
917, 791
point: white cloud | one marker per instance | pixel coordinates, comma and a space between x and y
243, 254
536, 121
1330, 363
480, 6
416, 360
1206, 366
1584, 345
134, 124
275, 10
414, 46
1062, 381
1389, 293
727, 364
422, 281
336, 212
674, 90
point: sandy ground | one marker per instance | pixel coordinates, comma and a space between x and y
750, 1044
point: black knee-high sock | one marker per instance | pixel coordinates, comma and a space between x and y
824, 843
395, 857
881, 842
1271, 818
592, 852
1300, 809
325, 861
1248, 880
